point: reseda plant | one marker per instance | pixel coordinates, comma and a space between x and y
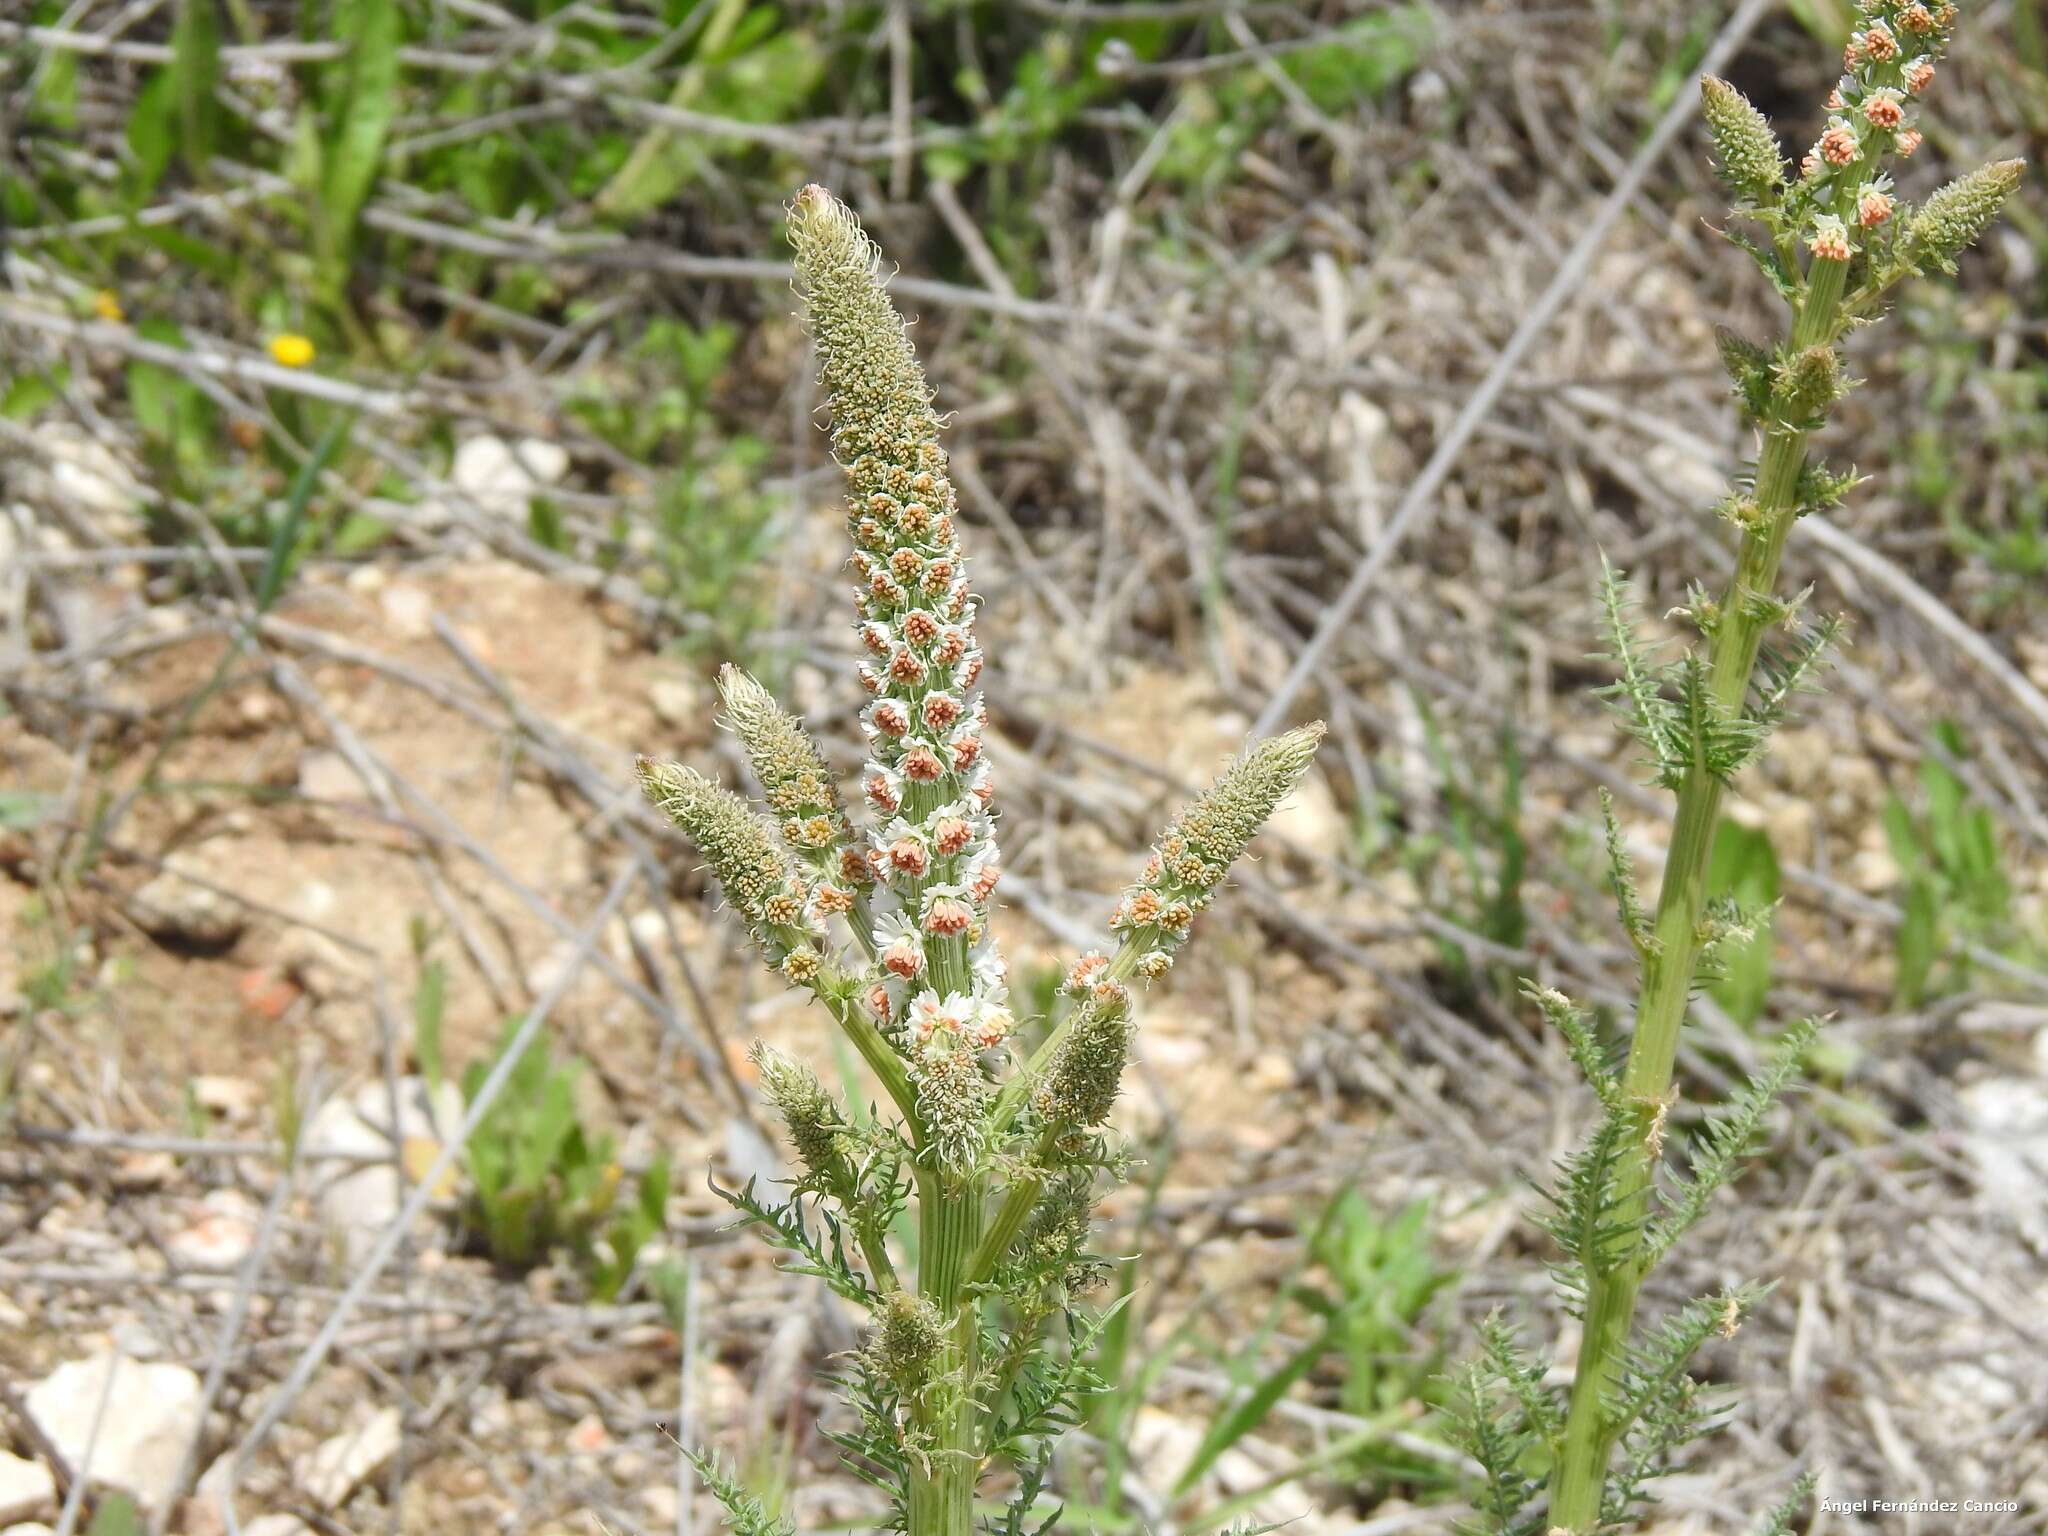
999, 1157
1836, 242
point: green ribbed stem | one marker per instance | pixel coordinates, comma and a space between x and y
1580, 1476
941, 1494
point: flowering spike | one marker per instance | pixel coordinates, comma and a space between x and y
758, 880
1080, 1084
814, 1120
1952, 219
1751, 162
1212, 830
932, 852
796, 785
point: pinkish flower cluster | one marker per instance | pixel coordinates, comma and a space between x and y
1889, 60
935, 985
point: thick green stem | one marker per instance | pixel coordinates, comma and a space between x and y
876, 1052
941, 1493
1668, 968
1011, 1215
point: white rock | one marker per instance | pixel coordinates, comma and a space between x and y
334, 1469
173, 907
26, 1488
408, 612
327, 776
33, 1528
2008, 1141
86, 474
220, 1234
677, 702
150, 1415
276, 1525
356, 1202
1691, 478
232, 1098
501, 478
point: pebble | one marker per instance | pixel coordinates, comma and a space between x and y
173, 908
357, 1202
26, 1488
501, 478
220, 1235
149, 1416
335, 1468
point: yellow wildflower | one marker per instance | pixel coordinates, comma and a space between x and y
107, 306
291, 349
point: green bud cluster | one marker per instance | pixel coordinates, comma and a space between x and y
1080, 1084
1750, 160
1806, 384
816, 1125
953, 1096
908, 1342
882, 407
1059, 1223
796, 784
740, 848
1950, 221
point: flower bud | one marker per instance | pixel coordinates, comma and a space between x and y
881, 406
953, 1095
1082, 1080
814, 1121
1949, 221
794, 779
1808, 384
908, 1343
1751, 162
1749, 368
757, 878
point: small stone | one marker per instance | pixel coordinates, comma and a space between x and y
26, 1488
277, 1525
326, 776
589, 1435
266, 995
408, 612
173, 908
220, 1236
659, 1500
547, 972
334, 1469
150, 1412
144, 1170
501, 478
232, 1098
676, 702
356, 1202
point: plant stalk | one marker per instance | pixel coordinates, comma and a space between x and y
941, 1494
1668, 968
